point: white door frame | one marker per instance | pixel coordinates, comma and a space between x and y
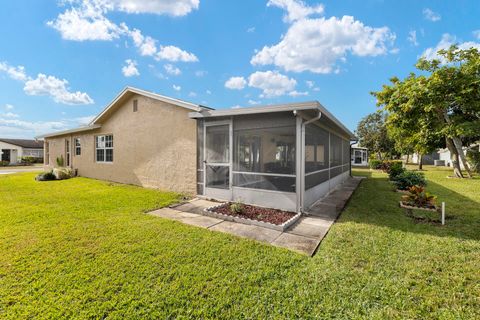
216, 193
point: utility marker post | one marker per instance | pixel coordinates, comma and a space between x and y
443, 213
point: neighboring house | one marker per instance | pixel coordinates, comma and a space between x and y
283, 156
12, 150
359, 156
445, 155
427, 159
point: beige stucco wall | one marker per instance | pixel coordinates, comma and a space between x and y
154, 147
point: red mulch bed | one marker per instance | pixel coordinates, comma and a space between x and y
273, 216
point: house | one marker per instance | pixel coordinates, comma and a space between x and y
281, 156
445, 154
359, 156
12, 150
427, 159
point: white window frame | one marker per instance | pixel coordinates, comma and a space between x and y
104, 148
67, 153
77, 145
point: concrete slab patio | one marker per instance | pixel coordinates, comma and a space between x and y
304, 236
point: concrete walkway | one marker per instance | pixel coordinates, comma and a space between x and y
304, 236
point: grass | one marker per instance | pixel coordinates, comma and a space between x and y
85, 249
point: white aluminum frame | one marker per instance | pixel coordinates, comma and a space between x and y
221, 194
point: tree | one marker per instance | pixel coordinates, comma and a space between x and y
442, 103
373, 135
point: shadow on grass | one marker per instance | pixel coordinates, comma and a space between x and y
375, 202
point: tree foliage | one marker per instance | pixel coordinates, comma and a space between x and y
373, 135
439, 106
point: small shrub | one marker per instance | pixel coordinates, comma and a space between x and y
62, 173
375, 164
4, 163
60, 161
46, 176
28, 160
389, 165
408, 179
395, 169
236, 207
418, 197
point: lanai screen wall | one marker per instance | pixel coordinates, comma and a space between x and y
264, 160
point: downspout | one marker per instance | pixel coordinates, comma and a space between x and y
351, 144
302, 157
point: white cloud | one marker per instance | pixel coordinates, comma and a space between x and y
86, 22
174, 54
295, 93
16, 73
146, 45
445, 43
316, 45
86, 19
56, 88
208, 92
45, 85
253, 102
272, 83
236, 107
200, 73
9, 115
296, 10
83, 121
429, 14
236, 83
251, 29
412, 37
168, 7
476, 34
192, 94
310, 83
171, 69
9, 107
16, 128
176, 88
130, 68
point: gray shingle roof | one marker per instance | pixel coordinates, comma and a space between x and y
24, 143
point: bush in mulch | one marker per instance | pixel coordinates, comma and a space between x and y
408, 179
273, 216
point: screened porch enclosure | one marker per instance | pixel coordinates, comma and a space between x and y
263, 159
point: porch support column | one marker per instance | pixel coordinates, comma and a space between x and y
299, 167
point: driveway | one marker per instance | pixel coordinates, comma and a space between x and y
10, 170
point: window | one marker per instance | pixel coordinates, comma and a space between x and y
335, 151
135, 105
316, 148
266, 150
47, 153
104, 148
78, 147
264, 158
67, 152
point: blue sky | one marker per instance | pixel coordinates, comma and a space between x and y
62, 61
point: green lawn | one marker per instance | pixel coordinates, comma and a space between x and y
84, 248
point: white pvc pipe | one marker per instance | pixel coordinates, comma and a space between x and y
443, 213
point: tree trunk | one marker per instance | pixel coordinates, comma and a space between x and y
408, 156
458, 145
420, 162
454, 157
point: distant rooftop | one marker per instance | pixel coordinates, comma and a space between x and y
24, 143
